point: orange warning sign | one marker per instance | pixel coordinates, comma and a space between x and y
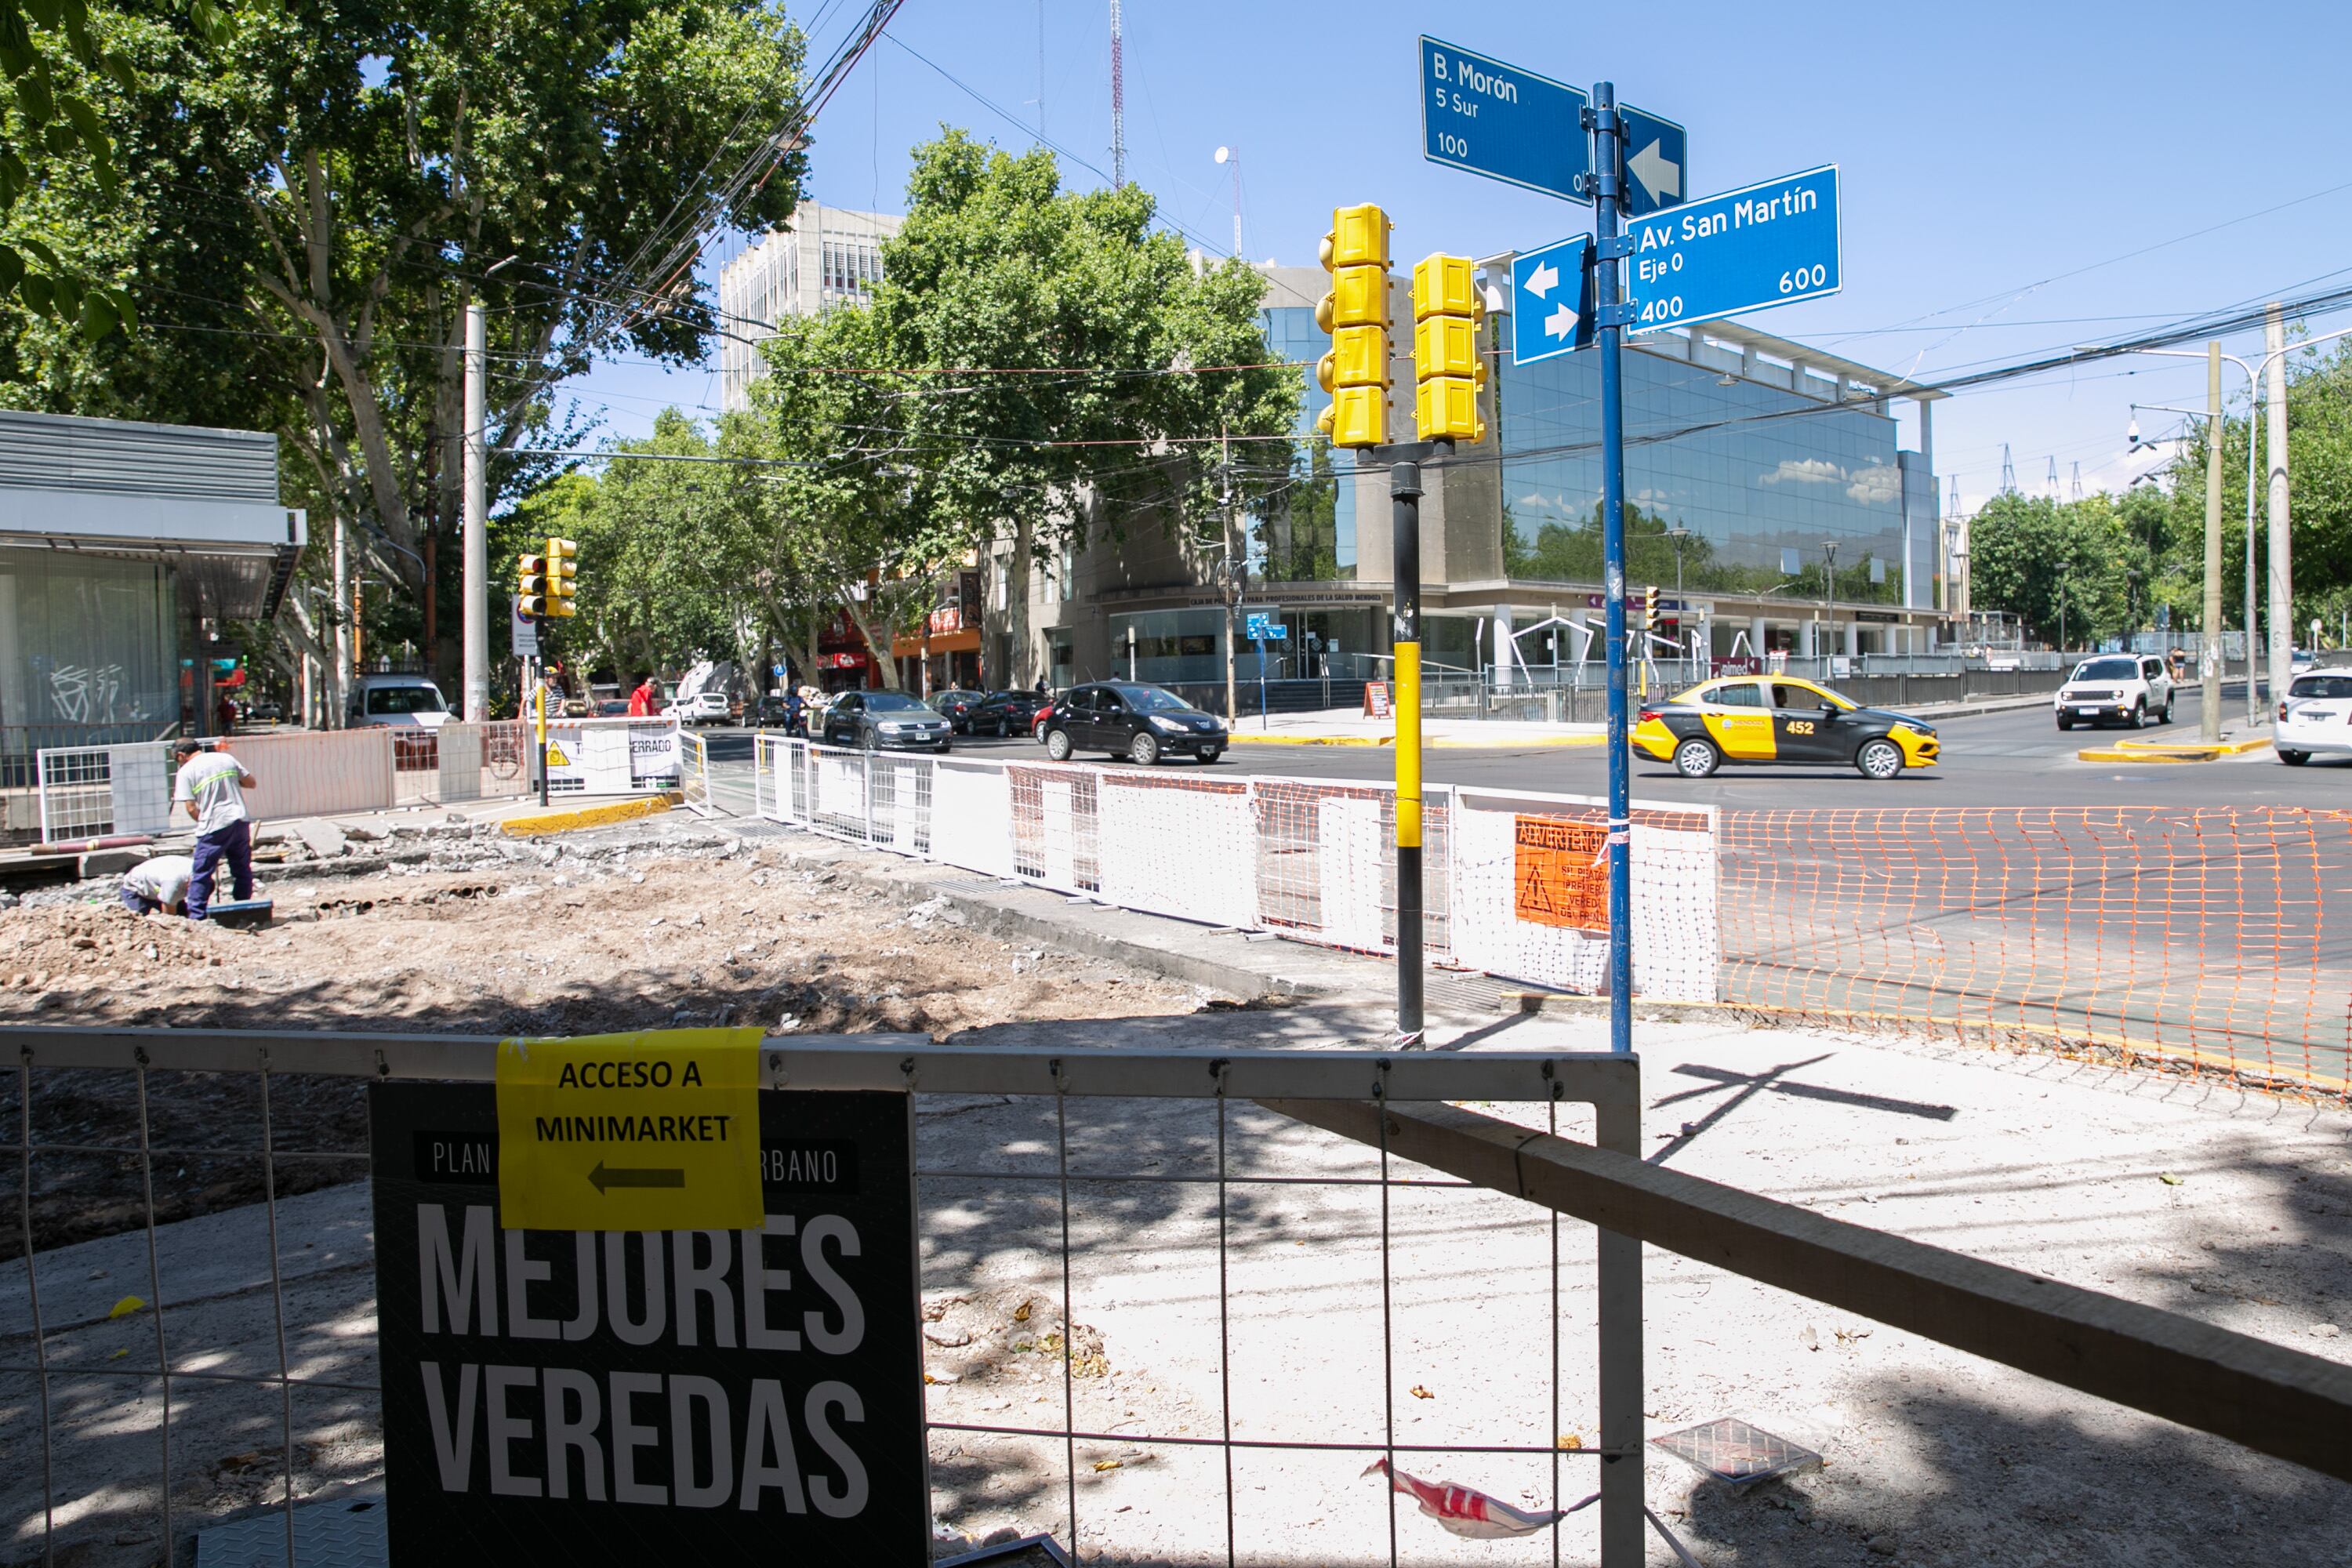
1560, 875
1376, 700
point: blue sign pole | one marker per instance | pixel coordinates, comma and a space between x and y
1608, 247
1264, 722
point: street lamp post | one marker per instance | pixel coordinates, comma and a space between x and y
1678, 534
1828, 594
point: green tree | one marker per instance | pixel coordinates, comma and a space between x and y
2063, 568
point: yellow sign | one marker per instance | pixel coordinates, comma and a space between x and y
655, 1130
555, 757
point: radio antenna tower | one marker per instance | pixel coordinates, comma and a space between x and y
1954, 509
2053, 475
1118, 96
2078, 478
2008, 472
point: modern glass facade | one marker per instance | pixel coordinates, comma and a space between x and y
1761, 476
1313, 538
87, 639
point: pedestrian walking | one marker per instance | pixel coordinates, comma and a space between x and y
211, 788
160, 883
644, 702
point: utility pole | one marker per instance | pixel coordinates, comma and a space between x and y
338, 689
2282, 593
2209, 711
1404, 528
1608, 190
1118, 96
1234, 567
477, 542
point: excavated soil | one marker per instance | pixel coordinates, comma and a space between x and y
617, 935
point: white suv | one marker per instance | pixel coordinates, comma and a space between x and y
2315, 718
2115, 688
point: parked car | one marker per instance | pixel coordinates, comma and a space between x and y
956, 705
613, 708
775, 711
1132, 720
1780, 719
2116, 688
2315, 717
702, 708
883, 720
1001, 713
266, 710
411, 707
1038, 721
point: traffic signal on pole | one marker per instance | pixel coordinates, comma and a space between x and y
531, 584
1650, 609
1447, 368
561, 568
1356, 313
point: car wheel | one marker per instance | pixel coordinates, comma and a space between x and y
1002, 731
2168, 708
2293, 759
2138, 715
867, 739
1144, 750
1879, 759
2065, 720
1695, 759
1057, 744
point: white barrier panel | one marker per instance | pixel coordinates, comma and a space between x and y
971, 813
1178, 846
612, 756
1349, 859
316, 774
95, 792
1530, 898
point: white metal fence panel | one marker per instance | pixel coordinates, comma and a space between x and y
1529, 884
971, 815
1178, 846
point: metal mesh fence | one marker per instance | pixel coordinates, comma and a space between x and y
1298, 1276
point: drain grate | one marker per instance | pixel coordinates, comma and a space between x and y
347, 1533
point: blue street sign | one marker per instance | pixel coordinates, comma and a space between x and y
1551, 300
1266, 628
1771, 244
1657, 161
1495, 120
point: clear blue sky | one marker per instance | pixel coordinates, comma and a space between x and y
2002, 162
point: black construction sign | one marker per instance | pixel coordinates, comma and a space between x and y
659, 1396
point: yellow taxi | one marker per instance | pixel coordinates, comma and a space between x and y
1780, 719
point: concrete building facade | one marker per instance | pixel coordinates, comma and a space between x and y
824, 256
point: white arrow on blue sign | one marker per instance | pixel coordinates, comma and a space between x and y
1551, 300
1495, 118
1770, 244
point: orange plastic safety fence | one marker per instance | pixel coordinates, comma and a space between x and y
2215, 936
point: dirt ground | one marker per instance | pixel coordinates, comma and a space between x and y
621, 931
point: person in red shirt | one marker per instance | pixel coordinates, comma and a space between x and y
644, 702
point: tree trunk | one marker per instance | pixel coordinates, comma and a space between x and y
1016, 603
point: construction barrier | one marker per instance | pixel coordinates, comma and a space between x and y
87, 791
613, 756
1516, 884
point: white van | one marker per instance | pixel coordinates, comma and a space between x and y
397, 702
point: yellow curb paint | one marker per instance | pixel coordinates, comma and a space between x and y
539, 822
1453, 743
1309, 740
2168, 751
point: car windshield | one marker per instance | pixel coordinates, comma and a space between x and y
892, 702
406, 699
1152, 699
1009, 696
2337, 687
2107, 669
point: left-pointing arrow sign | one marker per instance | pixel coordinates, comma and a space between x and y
1541, 280
606, 1177
1661, 174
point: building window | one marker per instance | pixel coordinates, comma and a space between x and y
1069, 571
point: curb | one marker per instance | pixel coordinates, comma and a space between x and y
2166, 751
543, 822
1443, 743
1235, 739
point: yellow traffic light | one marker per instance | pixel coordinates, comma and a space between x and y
561, 569
531, 584
1448, 368
1356, 313
1650, 609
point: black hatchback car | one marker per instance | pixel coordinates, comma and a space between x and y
1130, 720
956, 706
1003, 713
885, 720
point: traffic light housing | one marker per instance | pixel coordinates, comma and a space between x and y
531, 584
561, 567
1356, 313
1448, 370
1650, 609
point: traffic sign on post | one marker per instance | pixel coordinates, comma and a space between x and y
1771, 244
1658, 159
1551, 300
1492, 118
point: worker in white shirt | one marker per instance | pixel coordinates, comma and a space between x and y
161, 883
210, 788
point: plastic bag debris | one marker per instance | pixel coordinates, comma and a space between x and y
1467, 1513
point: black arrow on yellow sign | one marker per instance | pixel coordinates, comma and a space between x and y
605, 1179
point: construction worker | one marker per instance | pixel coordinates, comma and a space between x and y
159, 882
210, 788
